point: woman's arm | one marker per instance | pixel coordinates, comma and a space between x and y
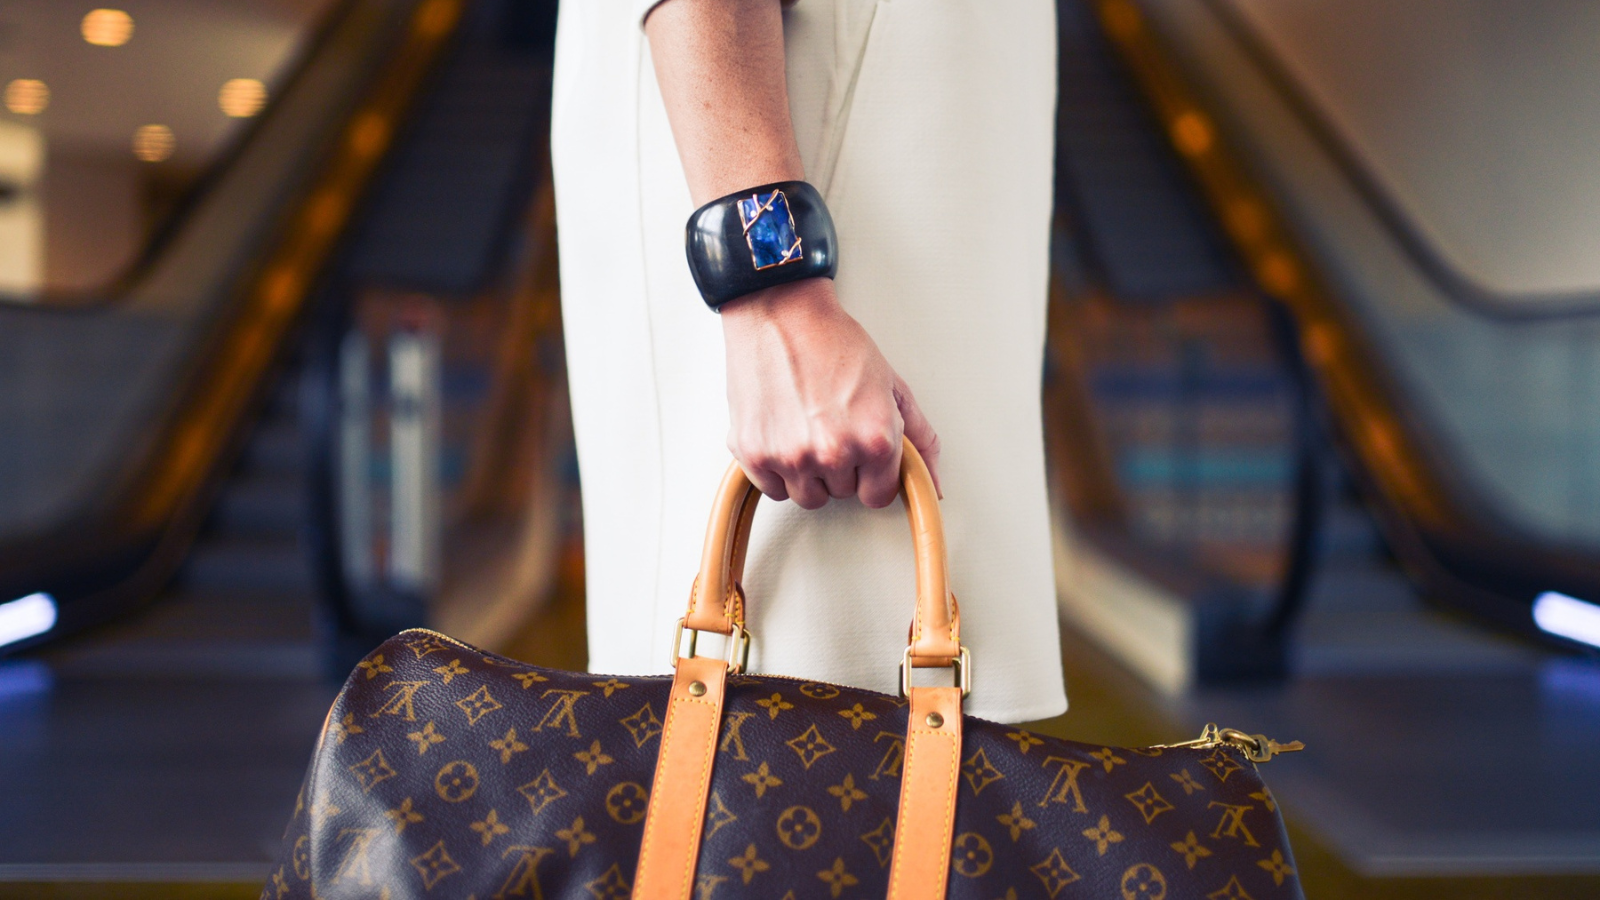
816, 410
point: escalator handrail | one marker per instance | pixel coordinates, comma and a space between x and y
1455, 285
1445, 532
149, 525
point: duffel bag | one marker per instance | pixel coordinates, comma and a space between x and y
446, 771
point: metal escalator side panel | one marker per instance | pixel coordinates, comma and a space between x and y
157, 498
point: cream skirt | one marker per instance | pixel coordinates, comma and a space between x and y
928, 126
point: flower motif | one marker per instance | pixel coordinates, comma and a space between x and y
1108, 758
575, 836
1149, 802
774, 705
762, 778
426, 738
847, 792
837, 878
857, 714
1191, 849
450, 670
1016, 820
1187, 782
490, 828
374, 665
593, 758
1103, 835
1277, 867
508, 746
749, 864
611, 685
1026, 740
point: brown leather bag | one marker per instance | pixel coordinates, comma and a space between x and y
444, 771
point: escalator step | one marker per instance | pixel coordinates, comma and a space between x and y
265, 564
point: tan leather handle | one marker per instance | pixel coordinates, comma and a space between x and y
717, 602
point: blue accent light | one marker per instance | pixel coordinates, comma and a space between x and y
26, 617
1568, 617
769, 229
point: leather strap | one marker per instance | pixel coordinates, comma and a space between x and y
677, 808
673, 822
717, 603
928, 781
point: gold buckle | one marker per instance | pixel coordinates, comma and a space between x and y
738, 646
962, 664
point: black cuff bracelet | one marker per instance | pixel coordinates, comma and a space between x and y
757, 238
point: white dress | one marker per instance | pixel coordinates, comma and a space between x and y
928, 126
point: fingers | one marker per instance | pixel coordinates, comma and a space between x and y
807, 491
919, 431
766, 481
810, 476
879, 473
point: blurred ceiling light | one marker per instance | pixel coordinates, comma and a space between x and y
154, 143
242, 98
27, 96
107, 27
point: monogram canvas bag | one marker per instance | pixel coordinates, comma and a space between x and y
445, 771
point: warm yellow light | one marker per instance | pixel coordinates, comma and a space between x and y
242, 98
154, 143
27, 96
107, 27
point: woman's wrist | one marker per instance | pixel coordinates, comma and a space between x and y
783, 305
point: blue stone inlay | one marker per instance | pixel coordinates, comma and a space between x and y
770, 229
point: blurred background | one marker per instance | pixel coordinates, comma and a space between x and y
281, 374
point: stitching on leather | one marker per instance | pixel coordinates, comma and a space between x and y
952, 770
652, 822
707, 755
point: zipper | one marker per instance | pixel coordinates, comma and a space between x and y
1257, 747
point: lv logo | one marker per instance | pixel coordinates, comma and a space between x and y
1232, 823
731, 723
893, 757
561, 711
1065, 785
524, 878
399, 704
354, 861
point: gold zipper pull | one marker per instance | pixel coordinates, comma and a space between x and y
1258, 747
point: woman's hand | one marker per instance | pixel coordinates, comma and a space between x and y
815, 409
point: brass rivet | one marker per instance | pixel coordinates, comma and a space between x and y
697, 689
935, 720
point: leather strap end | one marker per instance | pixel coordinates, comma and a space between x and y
677, 806
929, 778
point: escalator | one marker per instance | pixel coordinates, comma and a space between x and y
179, 452
1313, 474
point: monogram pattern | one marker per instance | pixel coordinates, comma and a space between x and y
444, 771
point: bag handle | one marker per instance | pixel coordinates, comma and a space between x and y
931, 765
716, 603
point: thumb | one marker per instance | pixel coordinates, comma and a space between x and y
918, 430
